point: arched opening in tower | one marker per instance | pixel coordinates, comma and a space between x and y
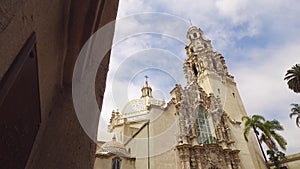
195, 69
214, 64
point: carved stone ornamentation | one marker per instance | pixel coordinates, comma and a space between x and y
205, 140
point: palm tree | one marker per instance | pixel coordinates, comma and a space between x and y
268, 131
296, 112
293, 78
255, 122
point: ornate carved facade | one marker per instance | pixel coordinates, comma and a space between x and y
204, 140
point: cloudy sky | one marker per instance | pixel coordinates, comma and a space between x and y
259, 40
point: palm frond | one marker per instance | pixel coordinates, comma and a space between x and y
258, 118
280, 140
298, 121
292, 114
295, 111
245, 118
274, 125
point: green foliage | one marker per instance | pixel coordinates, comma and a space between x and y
274, 126
296, 112
266, 129
293, 78
256, 121
276, 157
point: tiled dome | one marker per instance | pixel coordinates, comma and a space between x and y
113, 147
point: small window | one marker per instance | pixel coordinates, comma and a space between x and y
116, 163
233, 95
192, 49
195, 35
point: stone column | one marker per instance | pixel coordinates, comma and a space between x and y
228, 160
198, 157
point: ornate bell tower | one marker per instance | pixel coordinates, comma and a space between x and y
205, 65
209, 110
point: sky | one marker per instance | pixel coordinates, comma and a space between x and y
259, 40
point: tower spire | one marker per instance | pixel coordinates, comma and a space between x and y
191, 22
146, 77
146, 90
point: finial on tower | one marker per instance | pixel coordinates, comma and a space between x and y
190, 22
146, 77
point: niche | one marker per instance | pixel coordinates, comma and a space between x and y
195, 69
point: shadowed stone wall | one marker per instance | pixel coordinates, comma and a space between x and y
62, 27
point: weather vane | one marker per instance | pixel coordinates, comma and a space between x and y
146, 77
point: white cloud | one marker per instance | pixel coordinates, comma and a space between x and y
290, 134
233, 9
261, 79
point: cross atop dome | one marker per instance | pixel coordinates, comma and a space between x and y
146, 77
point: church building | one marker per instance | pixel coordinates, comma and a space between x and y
199, 128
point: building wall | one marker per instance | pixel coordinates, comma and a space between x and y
62, 27
164, 134
163, 130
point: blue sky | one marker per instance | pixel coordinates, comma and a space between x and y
259, 40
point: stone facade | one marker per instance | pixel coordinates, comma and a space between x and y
196, 150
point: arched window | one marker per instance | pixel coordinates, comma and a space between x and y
192, 49
116, 163
203, 127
